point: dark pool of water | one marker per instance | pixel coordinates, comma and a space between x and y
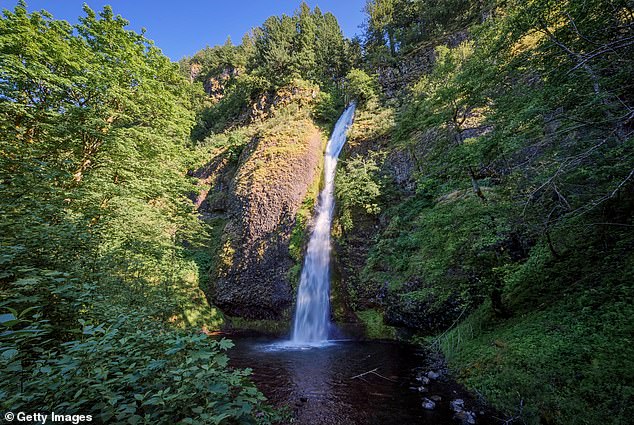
317, 384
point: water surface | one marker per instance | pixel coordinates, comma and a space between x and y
318, 387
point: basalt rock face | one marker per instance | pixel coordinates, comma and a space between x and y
274, 174
395, 77
408, 70
215, 178
215, 85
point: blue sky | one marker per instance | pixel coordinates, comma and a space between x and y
183, 27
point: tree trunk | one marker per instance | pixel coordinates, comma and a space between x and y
390, 37
476, 185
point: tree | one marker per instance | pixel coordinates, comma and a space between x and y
95, 222
358, 187
381, 21
360, 86
305, 59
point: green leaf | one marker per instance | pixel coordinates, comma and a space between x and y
9, 354
7, 318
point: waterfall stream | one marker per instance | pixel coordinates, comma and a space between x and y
312, 313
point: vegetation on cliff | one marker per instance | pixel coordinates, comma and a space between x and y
243, 79
508, 212
285, 83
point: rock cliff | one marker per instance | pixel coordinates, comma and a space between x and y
260, 197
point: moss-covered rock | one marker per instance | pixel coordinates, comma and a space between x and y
276, 170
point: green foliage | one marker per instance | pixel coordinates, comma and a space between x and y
213, 61
328, 107
243, 81
128, 372
372, 121
439, 257
307, 45
239, 95
520, 142
375, 328
480, 123
396, 28
95, 223
559, 370
358, 186
360, 87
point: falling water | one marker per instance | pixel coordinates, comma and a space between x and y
313, 304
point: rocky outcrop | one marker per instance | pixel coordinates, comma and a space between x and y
275, 171
269, 103
407, 71
427, 315
214, 180
215, 85
409, 68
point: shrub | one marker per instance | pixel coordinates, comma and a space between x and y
128, 371
360, 86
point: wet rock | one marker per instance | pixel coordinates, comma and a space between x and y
433, 375
402, 167
428, 404
465, 417
269, 186
436, 398
422, 389
213, 180
423, 379
457, 405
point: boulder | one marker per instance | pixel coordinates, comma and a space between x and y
428, 404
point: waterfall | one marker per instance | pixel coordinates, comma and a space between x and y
312, 312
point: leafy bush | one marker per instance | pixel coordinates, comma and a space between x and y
328, 107
130, 371
239, 96
95, 224
358, 186
567, 362
360, 86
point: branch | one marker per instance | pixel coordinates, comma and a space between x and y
365, 373
618, 44
373, 372
576, 57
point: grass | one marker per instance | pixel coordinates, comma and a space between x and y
566, 356
197, 310
374, 326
